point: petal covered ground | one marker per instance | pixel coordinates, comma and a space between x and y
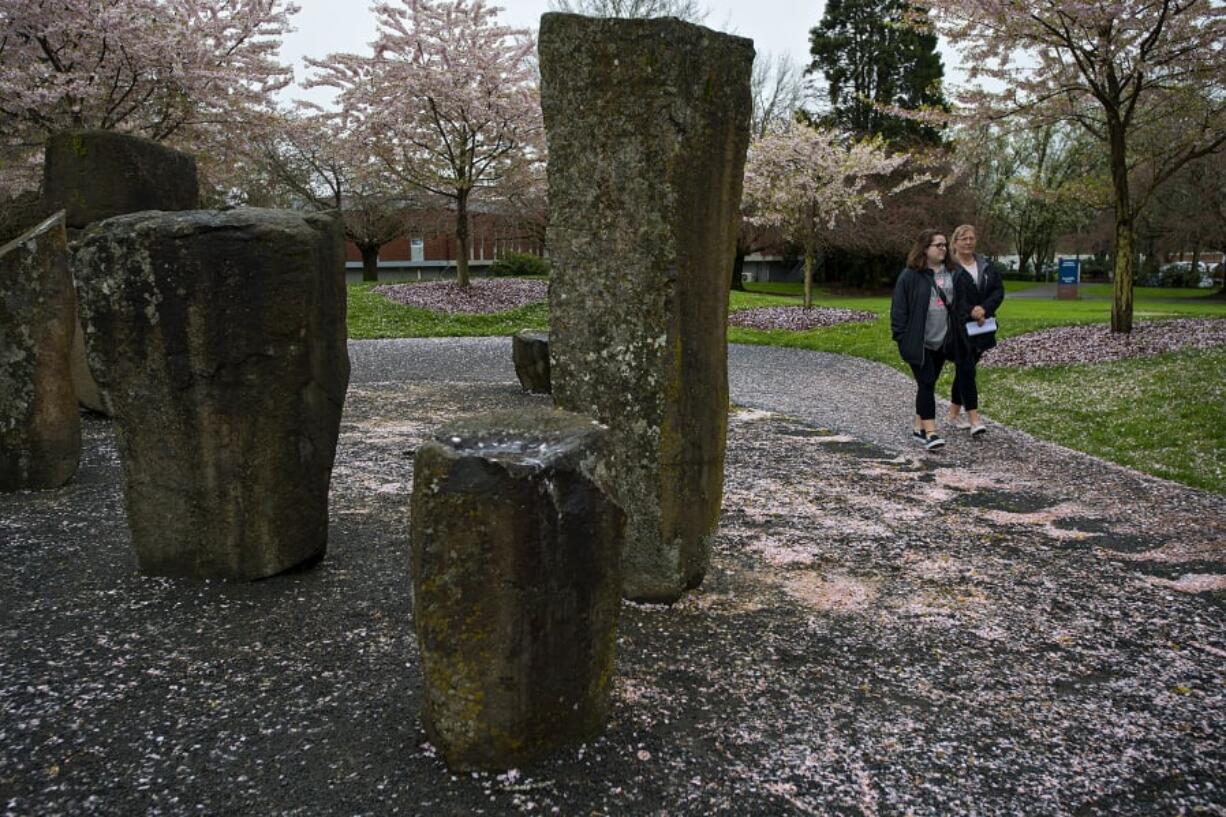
796, 318
1096, 343
483, 296
878, 634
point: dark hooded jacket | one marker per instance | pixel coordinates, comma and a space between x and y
909, 311
988, 293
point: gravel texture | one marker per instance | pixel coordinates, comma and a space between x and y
796, 318
1002, 627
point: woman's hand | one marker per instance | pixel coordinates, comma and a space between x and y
979, 315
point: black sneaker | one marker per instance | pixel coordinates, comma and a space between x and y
918, 437
933, 441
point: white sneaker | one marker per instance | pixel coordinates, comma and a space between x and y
978, 429
960, 422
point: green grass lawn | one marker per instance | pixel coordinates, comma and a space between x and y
1105, 291
1165, 416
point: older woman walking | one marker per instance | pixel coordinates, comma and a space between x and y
979, 298
923, 325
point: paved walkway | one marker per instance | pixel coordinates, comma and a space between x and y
1002, 627
872, 400
872, 404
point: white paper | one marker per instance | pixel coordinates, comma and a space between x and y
973, 328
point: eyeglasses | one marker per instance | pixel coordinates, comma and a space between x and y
941, 246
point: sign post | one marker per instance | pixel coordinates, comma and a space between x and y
1070, 276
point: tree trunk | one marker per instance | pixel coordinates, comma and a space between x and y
738, 268
808, 279
1023, 258
370, 261
1121, 303
461, 240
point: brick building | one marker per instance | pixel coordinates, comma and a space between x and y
429, 246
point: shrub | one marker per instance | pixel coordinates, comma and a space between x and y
519, 264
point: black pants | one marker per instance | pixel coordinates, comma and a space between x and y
926, 377
964, 392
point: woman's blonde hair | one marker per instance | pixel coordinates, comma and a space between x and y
962, 230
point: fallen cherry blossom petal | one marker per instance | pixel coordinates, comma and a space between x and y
1096, 343
796, 318
480, 297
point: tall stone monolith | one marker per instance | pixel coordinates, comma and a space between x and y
97, 174
219, 338
647, 124
40, 428
516, 585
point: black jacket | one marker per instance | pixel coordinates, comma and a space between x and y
909, 312
989, 294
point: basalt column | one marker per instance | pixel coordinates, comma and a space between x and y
220, 340
647, 124
516, 585
96, 174
40, 429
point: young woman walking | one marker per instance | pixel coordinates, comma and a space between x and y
924, 326
979, 292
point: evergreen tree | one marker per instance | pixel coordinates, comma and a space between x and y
874, 54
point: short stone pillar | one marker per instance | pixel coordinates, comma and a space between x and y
219, 339
40, 428
647, 124
96, 174
530, 351
516, 585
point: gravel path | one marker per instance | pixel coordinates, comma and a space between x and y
873, 400
871, 404
846, 394
999, 628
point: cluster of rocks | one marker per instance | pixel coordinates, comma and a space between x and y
527, 528
217, 342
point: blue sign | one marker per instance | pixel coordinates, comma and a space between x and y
1070, 270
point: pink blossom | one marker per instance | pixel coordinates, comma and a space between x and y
796, 318
479, 298
447, 101
1095, 343
195, 73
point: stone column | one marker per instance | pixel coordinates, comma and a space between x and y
96, 174
219, 338
40, 428
516, 585
647, 124
530, 352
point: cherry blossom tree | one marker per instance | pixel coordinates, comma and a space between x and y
449, 100
1143, 77
188, 72
804, 182
321, 161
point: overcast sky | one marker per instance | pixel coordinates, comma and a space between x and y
775, 26
325, 26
